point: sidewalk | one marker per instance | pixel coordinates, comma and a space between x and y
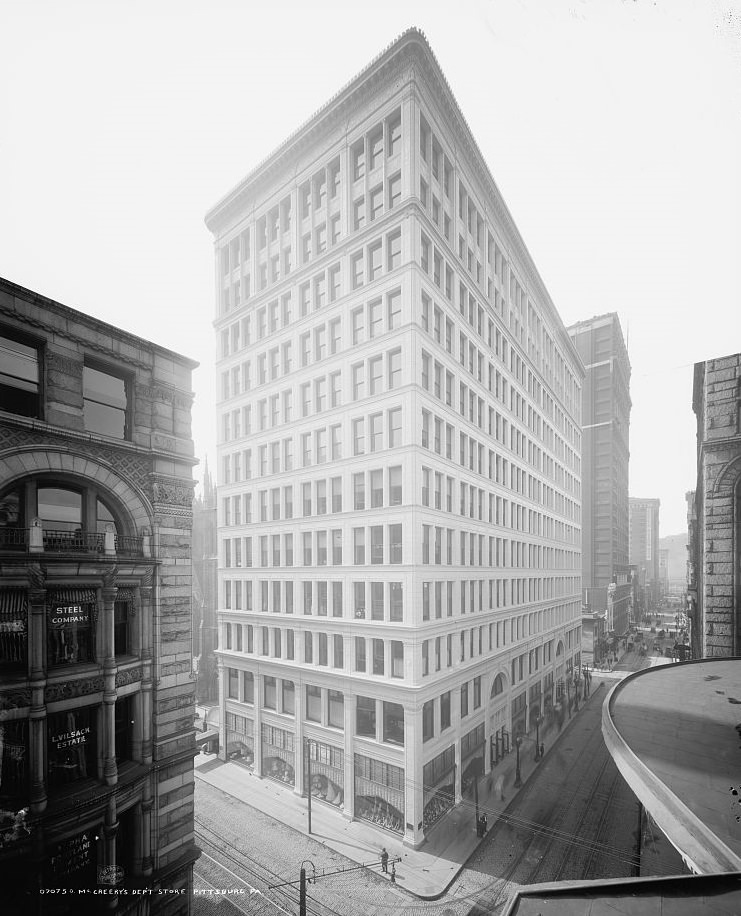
426, 872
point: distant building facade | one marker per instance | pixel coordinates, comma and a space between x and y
606, 408
96, 691
205, 591
644, 548
714, 583
399, 459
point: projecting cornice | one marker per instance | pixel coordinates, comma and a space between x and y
412, 57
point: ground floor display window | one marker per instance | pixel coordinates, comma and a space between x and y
13, 629
438, 778
278, 754
379, 793
13, 770
71, 746
472, 758
71, 617
519, 714
73, 861
327, 766
240, 741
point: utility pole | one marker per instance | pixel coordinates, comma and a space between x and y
302, 892
303, 880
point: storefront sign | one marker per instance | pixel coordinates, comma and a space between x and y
72, 855
70, 615
72, 738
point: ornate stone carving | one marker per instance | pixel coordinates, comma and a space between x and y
173, 492
128, 676
64, 364
16, 698
71, 689
109, 577
36, 576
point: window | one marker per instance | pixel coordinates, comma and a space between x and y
269, 692
396, 601
313, 703
66, 761
365, 717
394, 309
70, 615
375, 432
393, 723
19, 377
359, 491
289, 695
105, 402
378, 657
395, 544
394, 191
375, 260
445, 711
394, 250
376, 488
428, 720
336, 705
376, 202
121, 636
376, 533
395, 486
394, 369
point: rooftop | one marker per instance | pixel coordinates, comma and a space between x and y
674, 734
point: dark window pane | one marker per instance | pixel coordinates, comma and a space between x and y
104, 403
19, 378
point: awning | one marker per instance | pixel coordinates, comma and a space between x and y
13, 603
64, 596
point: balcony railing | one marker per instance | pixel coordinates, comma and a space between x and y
73, 541
13, 538
47, 540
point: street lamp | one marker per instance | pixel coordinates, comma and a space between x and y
568, 694
538, 723
576, 692
518, 779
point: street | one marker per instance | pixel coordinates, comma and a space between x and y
574, 819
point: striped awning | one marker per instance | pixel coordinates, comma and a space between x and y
65, 596
13, 603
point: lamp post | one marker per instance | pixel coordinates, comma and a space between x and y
538, 723
576, 691
568, 694
307, 745
518, 779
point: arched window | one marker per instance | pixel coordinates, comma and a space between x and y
74, 515
498, 686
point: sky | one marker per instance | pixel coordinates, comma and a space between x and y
612, 129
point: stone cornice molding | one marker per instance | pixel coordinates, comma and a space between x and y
411, 53
96, 324
9, 420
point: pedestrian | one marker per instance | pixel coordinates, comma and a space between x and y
542, 752
384, 861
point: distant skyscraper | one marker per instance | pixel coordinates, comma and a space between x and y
644, 547
605, 455
399, 459
715, 543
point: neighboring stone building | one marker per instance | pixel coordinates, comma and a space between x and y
399, 459
644, 549
97, 695
714, 586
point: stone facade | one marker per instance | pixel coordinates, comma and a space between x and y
714, 587
97, 695
399, 484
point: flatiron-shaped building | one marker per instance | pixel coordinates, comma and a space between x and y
399, 459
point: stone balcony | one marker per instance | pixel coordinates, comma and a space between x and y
37, 539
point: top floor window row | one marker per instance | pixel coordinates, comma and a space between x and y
367, 154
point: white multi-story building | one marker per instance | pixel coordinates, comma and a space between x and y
399, 458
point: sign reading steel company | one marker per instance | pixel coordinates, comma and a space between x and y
70, 615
